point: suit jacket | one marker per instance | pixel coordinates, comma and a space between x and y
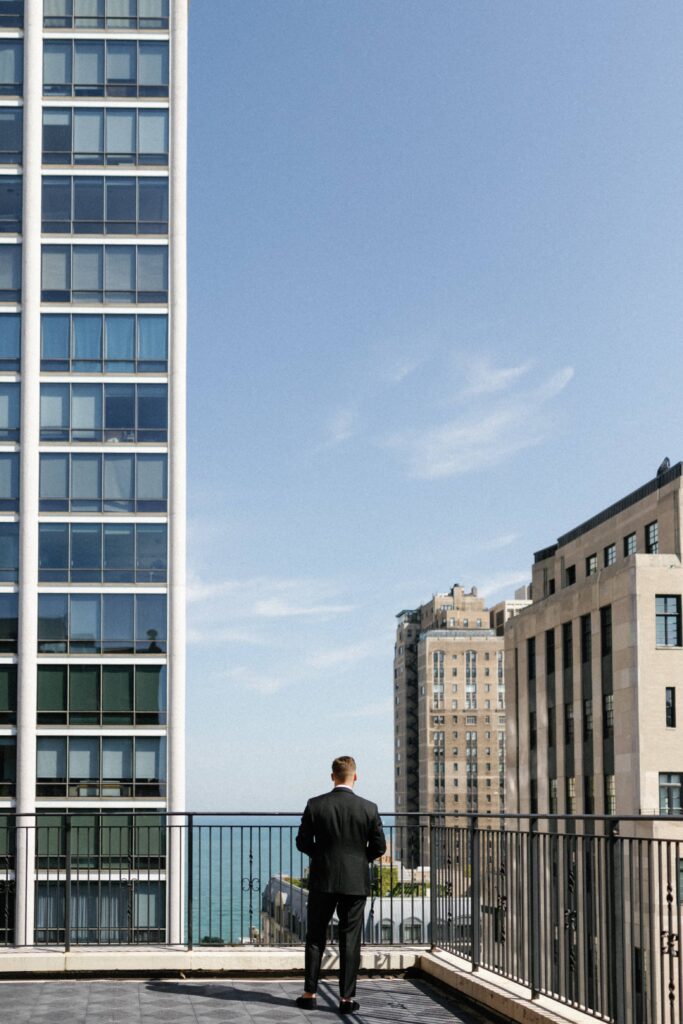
341, 833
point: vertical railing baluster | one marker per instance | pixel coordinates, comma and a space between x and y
67, 884
534, 908
475, 890
190, 880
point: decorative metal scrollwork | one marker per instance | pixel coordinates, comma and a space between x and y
570, 920
670, 944
251, 885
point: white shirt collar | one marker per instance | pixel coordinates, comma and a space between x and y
344, 787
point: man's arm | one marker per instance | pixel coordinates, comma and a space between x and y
377, 844
305, 839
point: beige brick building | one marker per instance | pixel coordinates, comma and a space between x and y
449, 705
594, 665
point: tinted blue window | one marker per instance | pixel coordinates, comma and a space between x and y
86, 553
9, 481
53, 552
52, 622
11, 135
10, 203
11, 67
8, 623
55, 342
10, 341
9, 552
10, 273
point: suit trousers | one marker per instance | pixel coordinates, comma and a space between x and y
321, 907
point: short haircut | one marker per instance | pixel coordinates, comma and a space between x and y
343, 767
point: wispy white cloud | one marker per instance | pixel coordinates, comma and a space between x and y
485, 378
338, 657
241, 610
404, 368
503, 541
503, 583
478, 441
342, 425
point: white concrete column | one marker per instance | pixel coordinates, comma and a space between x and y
177, 460
29, 439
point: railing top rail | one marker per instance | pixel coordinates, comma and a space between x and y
441, 816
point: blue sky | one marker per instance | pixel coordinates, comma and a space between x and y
436, 312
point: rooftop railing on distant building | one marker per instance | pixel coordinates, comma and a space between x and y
585, 910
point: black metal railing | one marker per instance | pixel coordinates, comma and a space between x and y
583, 910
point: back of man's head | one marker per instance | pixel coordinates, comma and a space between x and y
343, 769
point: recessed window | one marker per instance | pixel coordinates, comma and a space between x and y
11, 14
630, 544
125, 413
101, 552
105, 68
570, 576
652, 538
11, 134
11, 67
670, 707
668, 613
101, 695
10, 271
93, 482
120, 274
608, 715
101, 623
610, 795
670, 788
87, 766
591, 565
92, 343
103, 206
110, 14
609, 555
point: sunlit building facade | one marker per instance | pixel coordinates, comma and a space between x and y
92, 440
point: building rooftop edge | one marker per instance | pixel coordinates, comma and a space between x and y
612, 510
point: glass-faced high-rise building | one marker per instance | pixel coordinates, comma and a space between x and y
92, 446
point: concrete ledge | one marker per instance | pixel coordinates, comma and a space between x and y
145, 961
499, 995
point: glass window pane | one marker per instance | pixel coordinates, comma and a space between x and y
84, 621
119, 551
88, 68
120, 284
120, 343
10, 203
153, 70
121, 136
153, 338
57, 136
150, 689
88, 212
88, 136
9, 480
153, 206
151, 551
152, 412
151, 478
57, 13
9, 552
10, 273
9, 411
84, 693
11, 141
56, 272
121, 206
86, 552
8, 622
55, 338
56, 211
152, 273
121, 68
54, 477
54, 412
150, 758
153, 136
117, 691
87, 343
89, 13
150, 626
52, 688
53, 559
118, 622
153, 13
88, 263
8, 693
52, 617
119, 411
51, 757
86, 482
11, 67
118, 483
10, 340
57, 62
84, 757
117, 757
86, 412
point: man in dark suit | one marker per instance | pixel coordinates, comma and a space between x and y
342, 834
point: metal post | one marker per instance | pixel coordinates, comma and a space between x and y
534, 883
67, 884
615, 925
475, 898
433, 881
190, 878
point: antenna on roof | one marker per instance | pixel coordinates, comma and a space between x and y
664, 467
